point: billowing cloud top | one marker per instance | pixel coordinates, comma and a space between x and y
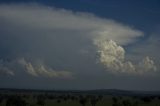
113, 57
55, 36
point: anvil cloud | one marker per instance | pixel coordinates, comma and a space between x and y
54, 36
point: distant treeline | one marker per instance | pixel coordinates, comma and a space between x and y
114, 92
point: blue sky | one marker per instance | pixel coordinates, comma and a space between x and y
80, 44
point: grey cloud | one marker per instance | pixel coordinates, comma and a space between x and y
4, 70
56, 35
149, 47
38, 69
38, 17
43, 70
28, 66
147, 65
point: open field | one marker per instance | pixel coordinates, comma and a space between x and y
77, 98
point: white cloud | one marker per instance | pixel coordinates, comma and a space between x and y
112, 56
57, 33
42, 18
42, 70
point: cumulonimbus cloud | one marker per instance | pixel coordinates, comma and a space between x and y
112, 56
43, 30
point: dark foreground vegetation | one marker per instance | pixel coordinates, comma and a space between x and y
13, 97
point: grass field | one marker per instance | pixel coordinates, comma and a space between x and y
74, 99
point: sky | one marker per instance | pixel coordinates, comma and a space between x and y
80, 44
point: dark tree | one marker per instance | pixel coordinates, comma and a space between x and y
15, 101
135, 103
146, 99
73, 98
65, 98
115, 100
51, 97
115, 104
100, 97
83, 101
41, 102
58, 101
126, 103
1, 99
93, 101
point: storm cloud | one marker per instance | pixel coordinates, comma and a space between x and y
112, 56
57, 37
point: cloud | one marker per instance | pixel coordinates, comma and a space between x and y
112, 56
43, 18
55, 36
147, 64
36, 69
5, 70
42, 70
28, 66
148, 47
